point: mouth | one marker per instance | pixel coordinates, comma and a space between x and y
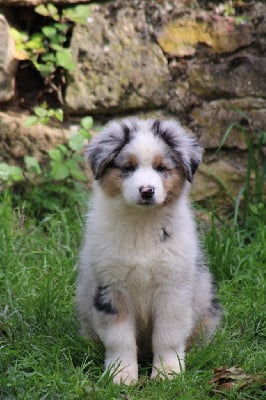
146, 203
143, 203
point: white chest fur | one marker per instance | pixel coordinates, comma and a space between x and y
139, 250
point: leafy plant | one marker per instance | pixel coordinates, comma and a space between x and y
10, 174
61, 179
230, 8
76, 140
43, 114
48, 49
65, 161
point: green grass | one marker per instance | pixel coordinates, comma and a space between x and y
43, 357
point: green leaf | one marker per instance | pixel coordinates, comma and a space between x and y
45, 69
32, 165
76, 142
53, 12
48, 58
77, 158
75, 170
77, 14
15, 173
49, 31
87, 122
18, 36
50, 112
64, 27
30, 121
64, 59
47, 11
56, 47
59, 39
4, 171
44, 120
254, 209
59, 114
84, 133
40, 111
78, 174
56, 154
35, 42
62, 148
59, 171
42, 10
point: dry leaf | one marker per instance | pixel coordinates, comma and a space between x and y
235, 377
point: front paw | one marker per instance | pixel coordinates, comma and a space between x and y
164, 370
127, 376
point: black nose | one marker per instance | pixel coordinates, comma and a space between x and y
146, 192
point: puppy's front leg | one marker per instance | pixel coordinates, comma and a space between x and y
116, 328
121, 352
171, 327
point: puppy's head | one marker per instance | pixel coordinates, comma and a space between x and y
146, 163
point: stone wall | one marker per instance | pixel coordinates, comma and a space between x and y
163, 58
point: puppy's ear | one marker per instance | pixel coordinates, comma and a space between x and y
185, 150
105, 146
194, 152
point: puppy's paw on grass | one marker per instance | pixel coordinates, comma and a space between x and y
125, 377
166, 372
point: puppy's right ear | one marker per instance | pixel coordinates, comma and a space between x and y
105, 146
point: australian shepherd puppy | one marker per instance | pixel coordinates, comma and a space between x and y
143, 284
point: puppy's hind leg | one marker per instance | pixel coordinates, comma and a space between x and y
212, 318
116, 328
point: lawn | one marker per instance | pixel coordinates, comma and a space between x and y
42, 355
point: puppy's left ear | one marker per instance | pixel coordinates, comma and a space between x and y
185, 149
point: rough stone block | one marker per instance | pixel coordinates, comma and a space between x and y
238, 76
119, 67
222, 178
181, 36
8, 62
211, 120
18, 140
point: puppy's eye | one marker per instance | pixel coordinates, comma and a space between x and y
160, 168
128, 168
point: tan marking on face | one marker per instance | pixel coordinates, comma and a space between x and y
111, 182
132, 159
158, 161
173, 185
